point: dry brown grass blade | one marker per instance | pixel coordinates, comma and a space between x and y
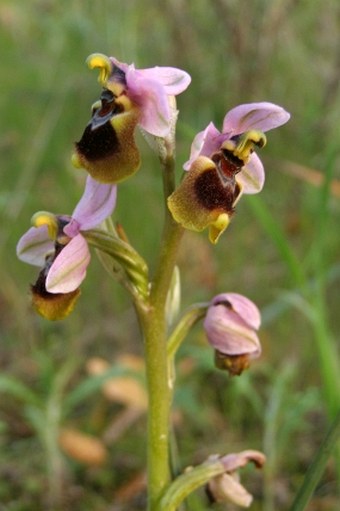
132, 488
311, 176
121, 422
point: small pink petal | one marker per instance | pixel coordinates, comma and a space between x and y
252, 176
174, 80
226, 488
205, 143
69, 268
72, 228
261, 116
34, 246
121, 65
153, 101
149, 89
233, 462
96, 204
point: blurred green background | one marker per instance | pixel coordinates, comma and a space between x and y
282, 249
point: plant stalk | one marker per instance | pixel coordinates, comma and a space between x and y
154, 326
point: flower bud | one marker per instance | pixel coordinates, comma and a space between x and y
230, 325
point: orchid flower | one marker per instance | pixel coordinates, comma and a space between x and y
130, 96
57, 245
227, 487
222, 166
231, 323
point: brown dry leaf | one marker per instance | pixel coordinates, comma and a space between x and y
127, 391
96, 366
132, 488
131, 361
121, 422
311, 176
84, 448
123, 389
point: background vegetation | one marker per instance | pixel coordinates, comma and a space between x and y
282, 249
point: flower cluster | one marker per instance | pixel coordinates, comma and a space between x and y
107, 150
222, 166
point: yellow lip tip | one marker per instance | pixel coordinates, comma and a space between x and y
75, 160
218, 227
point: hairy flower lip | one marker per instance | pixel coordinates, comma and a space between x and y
53, 306
206, 197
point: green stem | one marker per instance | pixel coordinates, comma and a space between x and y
159, 406
192, 315
154, 325
317, 467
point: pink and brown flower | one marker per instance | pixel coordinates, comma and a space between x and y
222, 166
56, 245
130, 97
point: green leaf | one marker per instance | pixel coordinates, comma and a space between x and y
273, 229
317, 467
19, 390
